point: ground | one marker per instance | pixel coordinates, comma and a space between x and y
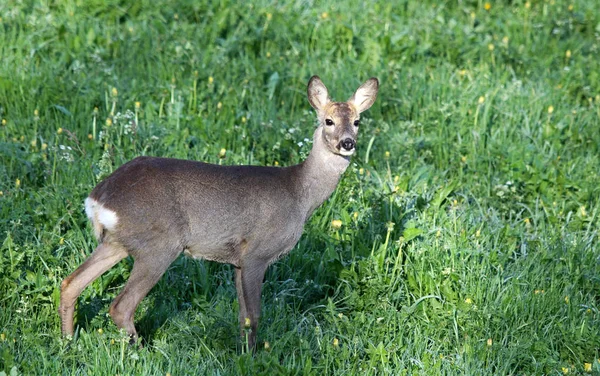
463, 239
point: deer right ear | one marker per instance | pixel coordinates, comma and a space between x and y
317, 93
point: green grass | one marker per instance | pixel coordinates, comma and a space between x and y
470, 214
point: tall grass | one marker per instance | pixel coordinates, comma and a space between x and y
468, 241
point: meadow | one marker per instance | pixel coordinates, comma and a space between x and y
463, 238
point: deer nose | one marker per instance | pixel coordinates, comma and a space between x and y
348, 144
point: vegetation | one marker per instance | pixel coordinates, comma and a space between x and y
463, 239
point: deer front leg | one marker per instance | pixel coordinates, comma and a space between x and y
249, 279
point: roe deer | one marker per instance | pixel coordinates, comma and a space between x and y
153, 209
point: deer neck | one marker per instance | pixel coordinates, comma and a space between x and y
320, 173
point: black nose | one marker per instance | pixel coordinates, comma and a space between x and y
348, 144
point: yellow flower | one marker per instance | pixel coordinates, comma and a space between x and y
527, 5
505, 40
324, 15
568, 54
550, 109
108, 122
210, 80
44, 146
59, 131
269, 16
222, 153
33, 143
481, 100
90, 136
489, 342
247, 322
18, 183
565, 370
137, 105
469, 301
361, 171
1, 193
587, 367
567, 299
2, 337
526, 221
355, 215
491, 47
61, 241
487, 6
100, 331
336, 342
582, 211
336, 224
570, 7
463, 159
477, 233
219, 105
267, 345
114, 92
387, 155
244, 119
276, 163
3, 121
268, 54
462, 72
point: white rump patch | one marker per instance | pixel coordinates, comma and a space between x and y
100, 216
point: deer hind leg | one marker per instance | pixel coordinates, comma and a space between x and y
104, 257
146, 272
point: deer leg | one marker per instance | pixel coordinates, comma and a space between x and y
104, 257
240, 293
145, 274
252, 274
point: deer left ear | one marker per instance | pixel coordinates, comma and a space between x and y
365, 95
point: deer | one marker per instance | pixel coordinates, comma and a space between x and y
153, 209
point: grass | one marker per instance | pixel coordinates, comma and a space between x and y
469, 236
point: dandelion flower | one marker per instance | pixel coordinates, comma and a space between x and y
269, 16
247, 322
505, 40
2, 337
3, 122
487, 6
570, 7
568, 54
387, 155
481, 100
210, 80
18, 183
109, 122
550, 109
267, 345
468, 300
527, 5
61, 241
44, 146
490, 342
587, 367
268, 54
567, 299
582, 211
491, 47
100, 331
137, 105
59, 131
222, 153
219, 105
324, 15
336, 224
114, 92
244, 120
336, 342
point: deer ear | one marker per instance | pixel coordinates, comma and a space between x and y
317, 93
365, 95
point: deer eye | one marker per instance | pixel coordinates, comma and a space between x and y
328, 122
356, 123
